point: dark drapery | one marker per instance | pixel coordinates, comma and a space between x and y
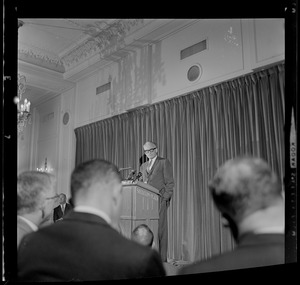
197, 133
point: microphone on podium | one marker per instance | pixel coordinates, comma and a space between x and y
131, 174
138, 176
126, 168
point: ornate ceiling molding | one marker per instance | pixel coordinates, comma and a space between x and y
101, 38
40, 58
101, 41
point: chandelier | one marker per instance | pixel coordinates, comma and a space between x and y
24, 115
45, 168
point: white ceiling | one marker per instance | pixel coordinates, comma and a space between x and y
57, 36
53, 53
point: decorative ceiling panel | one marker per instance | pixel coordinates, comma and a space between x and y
61, 44
102, 38
51, 35
41, 58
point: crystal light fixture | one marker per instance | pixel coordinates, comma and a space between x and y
24, 115
45, 168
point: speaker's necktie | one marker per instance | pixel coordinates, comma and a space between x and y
149, 165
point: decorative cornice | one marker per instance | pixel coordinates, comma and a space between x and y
101, 40
41, 58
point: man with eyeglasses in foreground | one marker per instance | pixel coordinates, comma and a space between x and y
36, 195
158, 172
85, 245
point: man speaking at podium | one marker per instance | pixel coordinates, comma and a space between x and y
157, 172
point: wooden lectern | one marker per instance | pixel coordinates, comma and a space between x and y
140, 206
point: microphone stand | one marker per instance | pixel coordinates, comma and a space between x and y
124, 168
137, 177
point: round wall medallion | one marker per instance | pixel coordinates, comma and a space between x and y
66, 118
194, 72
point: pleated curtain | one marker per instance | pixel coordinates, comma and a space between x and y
197, 132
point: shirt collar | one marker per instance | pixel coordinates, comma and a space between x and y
92, 210
33, 226
153, 159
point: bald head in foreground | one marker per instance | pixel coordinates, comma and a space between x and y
85, 246
143, 234
249, 196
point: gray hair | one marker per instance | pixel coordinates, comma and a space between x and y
33, 187
244, 185
151, 143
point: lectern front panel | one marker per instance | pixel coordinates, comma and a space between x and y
139, 206
146, 204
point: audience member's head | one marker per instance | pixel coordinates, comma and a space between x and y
97, 183
62, 198
143, 235
36, 195
248, 194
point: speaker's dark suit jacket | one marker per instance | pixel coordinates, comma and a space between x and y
58, 214
84, 247
253, 250
161, 177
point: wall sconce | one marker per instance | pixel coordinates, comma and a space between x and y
45, 168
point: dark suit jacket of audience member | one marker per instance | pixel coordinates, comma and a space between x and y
22, 229
253, 250
57, 212
84, 247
